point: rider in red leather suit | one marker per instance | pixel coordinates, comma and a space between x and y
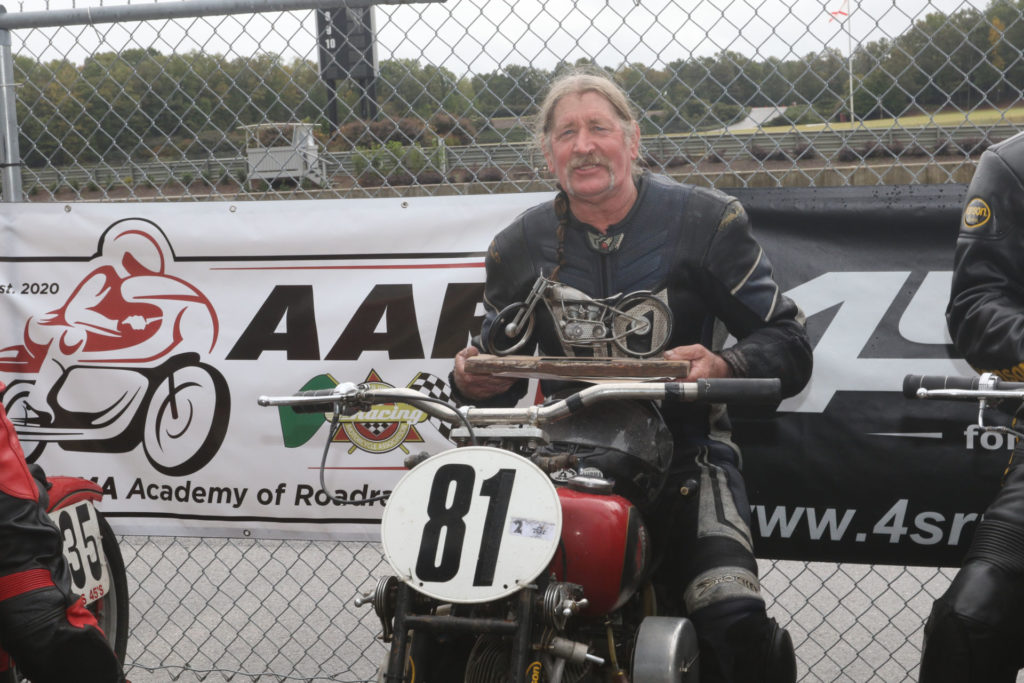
48, 631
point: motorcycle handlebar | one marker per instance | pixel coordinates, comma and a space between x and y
911, 383
313, 400
970, 388
316, 400
738, 390
351, 397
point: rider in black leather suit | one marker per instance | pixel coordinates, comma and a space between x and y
975, 632
693, 248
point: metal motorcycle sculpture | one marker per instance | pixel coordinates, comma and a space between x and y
516, 556
636, 324
94, 558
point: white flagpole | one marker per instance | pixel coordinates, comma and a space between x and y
847, 13
849, 60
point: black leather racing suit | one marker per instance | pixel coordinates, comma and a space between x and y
976, 629
694, 247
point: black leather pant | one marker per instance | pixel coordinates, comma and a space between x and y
700, 527
975, 632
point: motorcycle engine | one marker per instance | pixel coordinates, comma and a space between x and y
489, 662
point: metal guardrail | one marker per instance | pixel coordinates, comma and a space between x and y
829, 143
660, 150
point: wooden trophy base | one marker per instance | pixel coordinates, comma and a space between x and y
590, 369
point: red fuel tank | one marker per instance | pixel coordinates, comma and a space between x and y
605, 548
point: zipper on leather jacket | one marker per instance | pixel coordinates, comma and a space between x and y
604, 294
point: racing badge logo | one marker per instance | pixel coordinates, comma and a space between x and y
976, 214
605, 244
380, 429
383, 427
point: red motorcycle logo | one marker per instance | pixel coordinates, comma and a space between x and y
118, 364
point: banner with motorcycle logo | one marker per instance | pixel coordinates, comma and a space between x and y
137, 338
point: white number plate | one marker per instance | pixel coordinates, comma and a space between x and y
471, 524
83, 548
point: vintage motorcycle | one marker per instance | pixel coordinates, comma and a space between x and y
519, 556
94, 558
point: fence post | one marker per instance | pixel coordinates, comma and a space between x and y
10, 155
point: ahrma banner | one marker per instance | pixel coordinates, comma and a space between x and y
137, 337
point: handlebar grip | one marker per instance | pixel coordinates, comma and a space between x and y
911, 383
739, 390
330, 396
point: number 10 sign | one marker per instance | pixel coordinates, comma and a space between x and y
471, 524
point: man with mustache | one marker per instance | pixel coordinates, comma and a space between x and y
613, 229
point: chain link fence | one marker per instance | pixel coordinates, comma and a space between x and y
743, 93
233, 609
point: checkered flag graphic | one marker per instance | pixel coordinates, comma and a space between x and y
376, 428
435, 387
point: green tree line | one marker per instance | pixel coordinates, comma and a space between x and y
141, 104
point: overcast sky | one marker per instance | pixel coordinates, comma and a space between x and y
464, 35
